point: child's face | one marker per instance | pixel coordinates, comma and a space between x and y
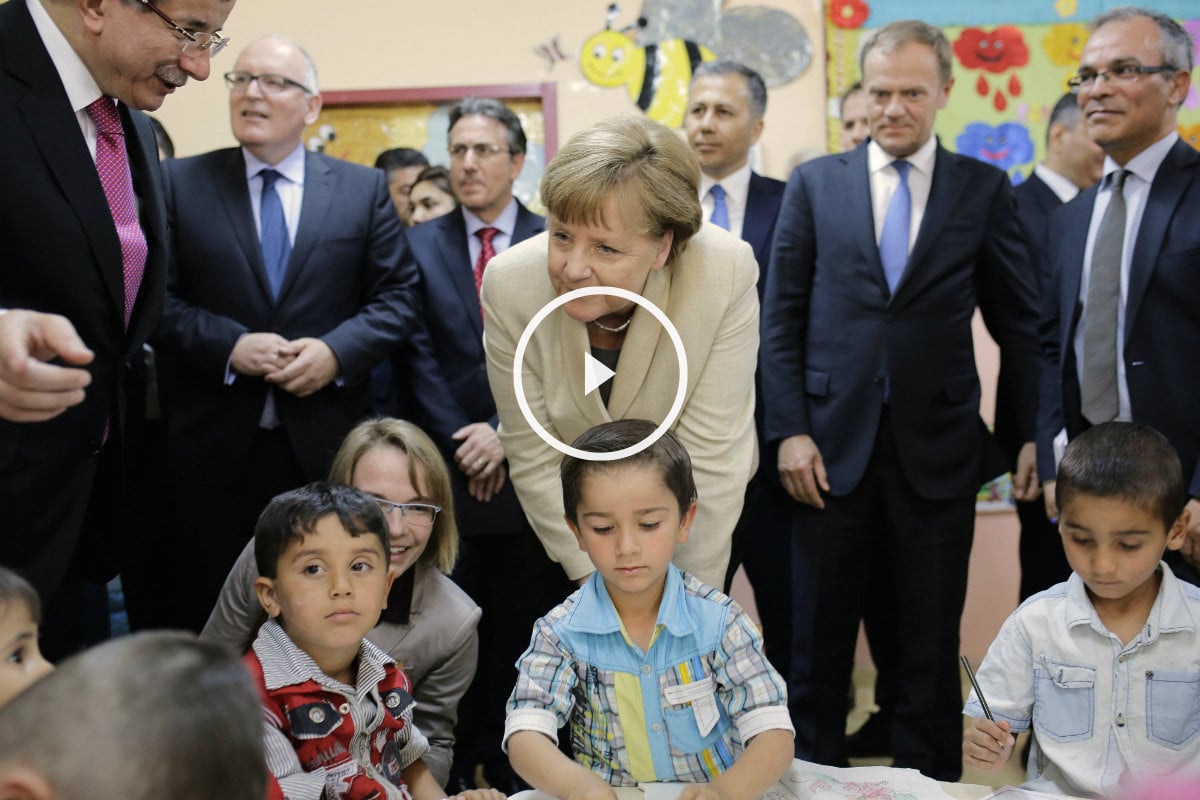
383, 472
328, 591
1115, 545
22, 662
629, 524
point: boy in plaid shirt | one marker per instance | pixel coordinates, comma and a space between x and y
661, 678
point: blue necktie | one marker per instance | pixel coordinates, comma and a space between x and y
720, 212
276, 246
893, 243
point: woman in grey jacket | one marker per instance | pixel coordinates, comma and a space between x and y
429, 623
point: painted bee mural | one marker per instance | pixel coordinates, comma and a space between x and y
654, 57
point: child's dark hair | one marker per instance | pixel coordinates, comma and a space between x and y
14, 587
291, 516
1123, 460
666, 455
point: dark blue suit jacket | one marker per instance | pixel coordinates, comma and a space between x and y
59, 253
1162, 316
347, 283
758, 227
831, 331
1035, 203
441, 371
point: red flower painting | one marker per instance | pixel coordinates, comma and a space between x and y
848, 13
994, 51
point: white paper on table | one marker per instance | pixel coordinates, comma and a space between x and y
1015, 793
808, 781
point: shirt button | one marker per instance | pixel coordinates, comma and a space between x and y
645, 669
1120, 720
656, 727
344, 709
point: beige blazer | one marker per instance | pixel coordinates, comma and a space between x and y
710, 296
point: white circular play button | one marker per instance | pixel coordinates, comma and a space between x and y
596, 374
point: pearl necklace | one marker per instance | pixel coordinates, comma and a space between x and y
619, 329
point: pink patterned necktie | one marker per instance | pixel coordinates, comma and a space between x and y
113, 166
487, 252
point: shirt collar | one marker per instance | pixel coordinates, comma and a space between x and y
1168, 614
291, 167
506, 222
285, 664
594, 611
82, 89
922, 160
1146, 163
736, 184
1061, 185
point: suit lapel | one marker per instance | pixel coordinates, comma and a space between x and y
574, 343
758, 220
640, 345
314, 211
456, 264
54, 127
231, 187
857, 181
1174, 175
944, 191
143, 155
1076, 218
527, 226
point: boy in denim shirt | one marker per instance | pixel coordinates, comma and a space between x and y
660, 677
1106, 666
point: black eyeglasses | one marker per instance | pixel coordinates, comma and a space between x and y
420, 514
482, 151
1116, 75
211, 43
239, 81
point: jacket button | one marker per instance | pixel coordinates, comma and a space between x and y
92, 448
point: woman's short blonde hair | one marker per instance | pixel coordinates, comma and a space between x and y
650, 171
426, 469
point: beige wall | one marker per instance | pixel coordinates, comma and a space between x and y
370, 44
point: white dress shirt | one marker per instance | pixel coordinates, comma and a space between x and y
82, 89
1137, 189
737, 191
504, 224
289, 187
885, 180
1061, 185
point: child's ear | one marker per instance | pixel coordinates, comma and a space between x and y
387, 590
575, 530
1178, 532
265, 589
685, 524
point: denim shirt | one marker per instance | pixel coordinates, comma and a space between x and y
705, 686
1098, 708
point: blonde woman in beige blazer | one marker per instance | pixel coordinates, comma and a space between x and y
623, 213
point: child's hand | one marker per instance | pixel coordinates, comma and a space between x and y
987, 746
701, 791
481, 794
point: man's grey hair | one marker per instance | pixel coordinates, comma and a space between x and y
755, 86
1177, 45
490, 107
895, 34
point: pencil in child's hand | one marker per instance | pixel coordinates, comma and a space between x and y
987, 712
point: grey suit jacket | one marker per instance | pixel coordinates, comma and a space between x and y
438, 647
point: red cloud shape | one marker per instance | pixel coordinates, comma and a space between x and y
995, 51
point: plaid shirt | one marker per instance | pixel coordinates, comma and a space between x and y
322, 735
706, 688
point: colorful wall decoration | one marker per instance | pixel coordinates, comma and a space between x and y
1012, 61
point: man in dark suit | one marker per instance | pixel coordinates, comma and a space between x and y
1120, 322
724, 120
81, 290
285, 290
880, 258
1073, 162
443, 386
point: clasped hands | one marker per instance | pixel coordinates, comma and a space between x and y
481, 459
298, 366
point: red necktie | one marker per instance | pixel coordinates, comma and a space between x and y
486, 253
113, 166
